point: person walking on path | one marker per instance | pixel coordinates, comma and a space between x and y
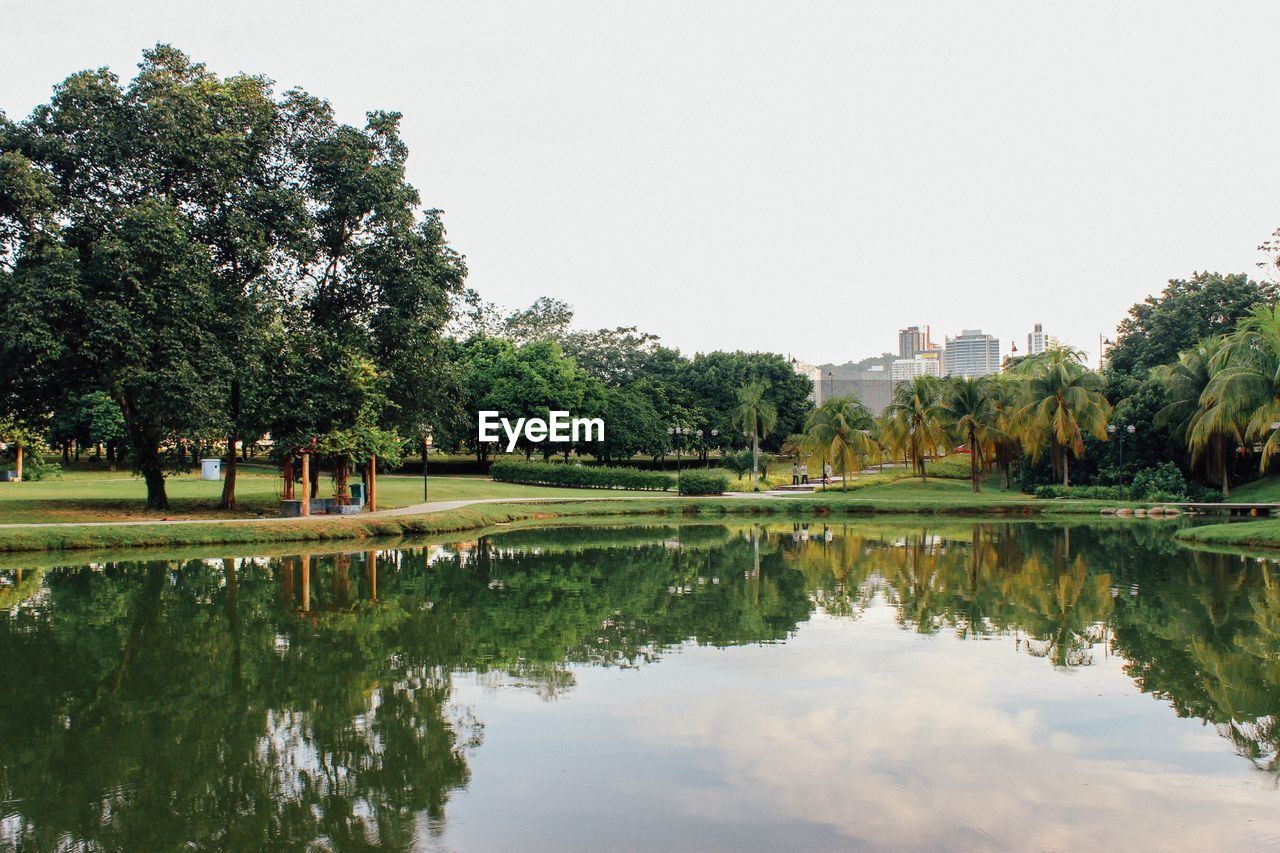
795, 474
804, 473
826, 473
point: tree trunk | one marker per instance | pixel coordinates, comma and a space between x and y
973, 461
340, 491
228, 500
1066, 471
66, 453
144, 447
1226, 475
755, 461
315, 480
153, 474
288, 478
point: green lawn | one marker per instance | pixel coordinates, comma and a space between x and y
108, 496
934, 489
1262, 490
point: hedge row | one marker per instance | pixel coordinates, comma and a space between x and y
704, 482
580, 476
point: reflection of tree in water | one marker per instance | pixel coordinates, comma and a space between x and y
171, 703
307, 701
1204, 634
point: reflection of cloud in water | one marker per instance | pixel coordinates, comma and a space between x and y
936, 752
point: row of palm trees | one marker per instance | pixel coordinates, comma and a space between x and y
1224, 393
1046, 403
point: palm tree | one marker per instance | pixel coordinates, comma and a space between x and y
757, 417
1063, 403
841, 429
917, 420
1245, 385
1203, 422
970, 410
1005, 393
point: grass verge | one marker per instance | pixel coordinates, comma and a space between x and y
951, 499
1243, 535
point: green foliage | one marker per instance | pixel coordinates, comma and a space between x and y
703, 481
580, 476
1102, 493
1164, 482
739, 462
1188, 311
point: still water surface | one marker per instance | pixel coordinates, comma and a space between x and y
717, 687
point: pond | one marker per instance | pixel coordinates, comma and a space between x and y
699, 686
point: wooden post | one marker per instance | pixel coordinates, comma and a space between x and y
306, 484
19, 446
288, 478
373, 483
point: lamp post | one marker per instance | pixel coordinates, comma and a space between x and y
675, 432
1130, 429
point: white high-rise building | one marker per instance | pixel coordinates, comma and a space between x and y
972, 354
927, 363
1038, 341
814, 374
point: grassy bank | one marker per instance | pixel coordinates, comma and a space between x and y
935, 498
117, 496
1242, 535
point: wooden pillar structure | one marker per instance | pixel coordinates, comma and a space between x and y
19, 465
372, 497
306, 484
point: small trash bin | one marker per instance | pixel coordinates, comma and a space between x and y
210, 469
357, 494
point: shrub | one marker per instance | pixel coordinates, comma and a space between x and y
954, 466
705, 481
1098, 493
580, 476
1163, 482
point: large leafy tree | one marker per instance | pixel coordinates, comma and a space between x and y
179, 239
1160, 327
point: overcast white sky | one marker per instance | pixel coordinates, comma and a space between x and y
803, 177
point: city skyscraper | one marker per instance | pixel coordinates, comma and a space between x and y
912, 340
1038, 341
972, 354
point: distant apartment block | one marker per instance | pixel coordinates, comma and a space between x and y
912, 340
971, 354
926, 363
812, 373
871, 387
1038, 341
